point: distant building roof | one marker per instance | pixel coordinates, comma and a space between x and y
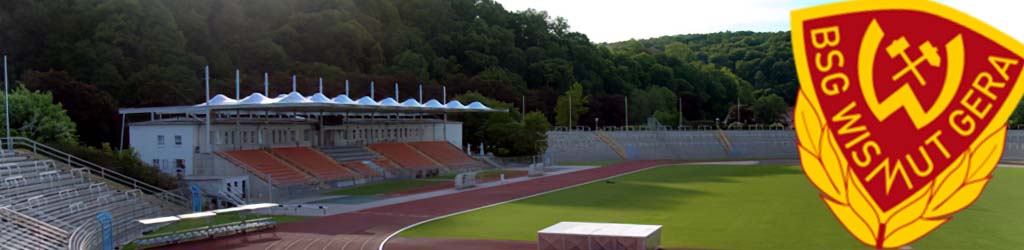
296, 102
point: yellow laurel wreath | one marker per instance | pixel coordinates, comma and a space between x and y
951, 191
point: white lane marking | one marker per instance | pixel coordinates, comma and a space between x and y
392, 235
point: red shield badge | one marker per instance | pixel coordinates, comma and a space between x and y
902, 112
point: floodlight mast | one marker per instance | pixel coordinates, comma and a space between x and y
7, 109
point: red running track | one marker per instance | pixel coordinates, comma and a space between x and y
366, 229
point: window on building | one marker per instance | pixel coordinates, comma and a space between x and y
160, 140
177, 140
156, 162
179, 166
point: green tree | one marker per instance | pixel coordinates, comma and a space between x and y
680, 51
1017, 117
769, 109
644, 103
667, 118
97, 112
579, 103
35, 115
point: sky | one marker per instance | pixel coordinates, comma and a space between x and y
612, 21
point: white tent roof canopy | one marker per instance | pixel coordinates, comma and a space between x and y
318, 102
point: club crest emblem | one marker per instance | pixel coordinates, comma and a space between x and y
901, 116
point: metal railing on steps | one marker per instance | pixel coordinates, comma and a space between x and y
97, 170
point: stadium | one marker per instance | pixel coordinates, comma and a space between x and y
418, 125
277, 159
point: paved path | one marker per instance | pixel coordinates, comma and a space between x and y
367, 229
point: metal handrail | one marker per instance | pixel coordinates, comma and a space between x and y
51, 233
80, 236
103, 172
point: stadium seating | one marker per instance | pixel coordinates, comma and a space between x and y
265, 164
648, 145
578, 146
762, 144
315, 163
36, 194
363, 169
405, 155
1014, 150
386, 166
673, 144
446, 154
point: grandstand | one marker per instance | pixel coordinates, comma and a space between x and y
568, 146
53, 205
316, 163
1014, 150
262, 149
405, 155
446, 154
579, 146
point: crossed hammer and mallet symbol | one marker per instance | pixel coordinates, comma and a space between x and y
929, 53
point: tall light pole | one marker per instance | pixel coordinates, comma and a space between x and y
209, 140
680, 113
7, 109
738, 106
626, 101
570, 110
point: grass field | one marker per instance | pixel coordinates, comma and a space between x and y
731, 207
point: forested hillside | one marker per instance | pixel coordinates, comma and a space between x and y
98, 55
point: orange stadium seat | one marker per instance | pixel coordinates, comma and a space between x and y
390, 167
404, 155
315, 163
445, 153
361, 168
264, 163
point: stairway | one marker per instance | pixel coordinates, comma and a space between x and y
348, 153
375, 167
724, 140
612, 144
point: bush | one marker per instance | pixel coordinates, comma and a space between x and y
125, 162
736, 125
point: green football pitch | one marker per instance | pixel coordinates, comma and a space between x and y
731, 207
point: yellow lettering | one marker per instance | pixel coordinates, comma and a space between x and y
833, 57
820, 37
891, 174
1002, 64
989, 83
862, 160
833, 89
965, 121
